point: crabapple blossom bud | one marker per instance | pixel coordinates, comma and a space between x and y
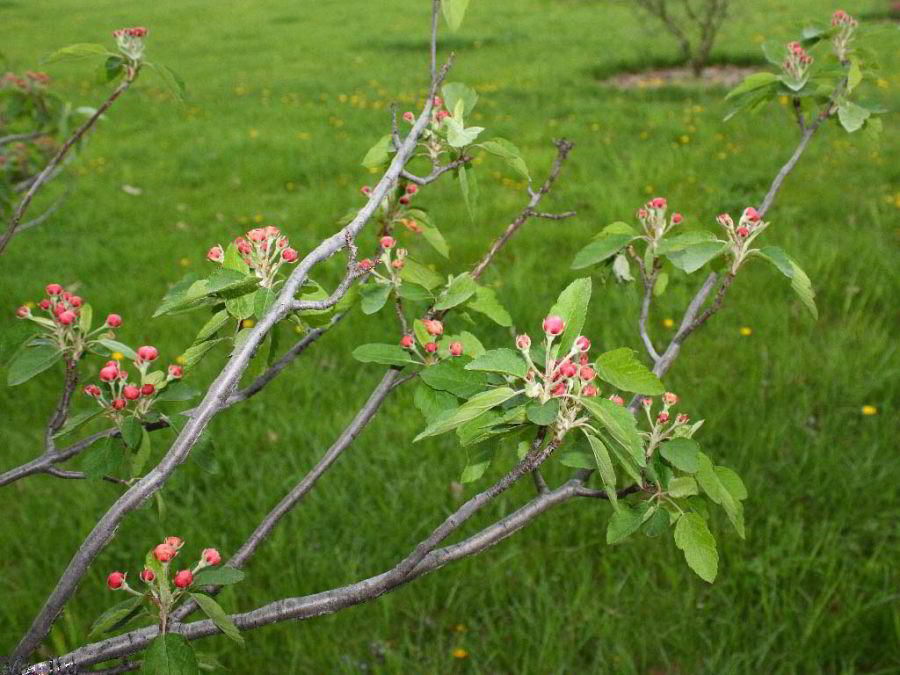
387, 242
397, 264
23, 312
123, 374
183, 578
114, 364
647, 402
587, 373
176, 372
589, 391
669, 399
211, 556
559, 389
743, 232
568, 369
365, 265
109, 373
583, 359
76, 301
147, 575
174, 542
682, 418
456, 349
434, 327
282, 242
164, 553
751, 214
442, 114
365, 190
216, 254
582, 343
66, 317
289, 255
554, 325
431, 347
119, 404
92, 390
408, 116
131, 392
642, 214
53, 289
45, 304
618, 400
404, 200
412, 189
257, 234
523, 342
67, 296
243, 246
677, 218
59, 309
114, 321
407, 341
147, 390
438, 101
272, 231
147, 353
662, 418
725, 220
529, 375
115, 580
658, 203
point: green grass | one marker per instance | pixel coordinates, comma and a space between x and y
268, 131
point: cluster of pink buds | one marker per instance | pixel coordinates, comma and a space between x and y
797, 61
438, 114
431, 139
117, 392
263, 249
131, 41
652, 216
32, 80
394, 202
435, 330
747, 229
669, 400
845, 25
155, 576
392, 260
68, 320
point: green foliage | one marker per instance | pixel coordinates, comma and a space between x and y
572, 306
693, 537
31, 361
469, 410
503, 360
621, 368
389, 355
169, 654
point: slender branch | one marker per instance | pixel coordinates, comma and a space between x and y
436, 172
79, 475
48, 212
13, 138
44, 175
539, 483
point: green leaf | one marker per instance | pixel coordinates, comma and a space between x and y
263, 300
171, 79
622, 369
799, 281
693, 537
105, 459
417, 273
414, 292
694, 257
852, 116
30, 362
78, 51
578, 459
502, 148
542, 414
684, 240
854, 74
434, 237
84, 321
174, 297
203, 454
234, 260
624, 522
710, 482
379, 154
485, 302
177, 391
572, 306
373, 297
111, 69
600, 249
467, 411
469, 188
115, 346
460, 289
113, 615
503, 360
433, 402
212, 326
732, 482
214, 611
240, 306
604, 467
459, 136
472, 346
454, 12
130, 428
389, 355
683, 486
752, 83
454, 92
141, 454
76, 421
169, 654
657, 523
451, 376
218, 576
659, 286
478, 460
620, 424
682, 453
193, 354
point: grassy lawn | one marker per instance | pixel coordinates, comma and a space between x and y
284, 100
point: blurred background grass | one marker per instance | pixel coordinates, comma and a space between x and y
284, 100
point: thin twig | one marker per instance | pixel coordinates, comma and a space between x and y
436, 172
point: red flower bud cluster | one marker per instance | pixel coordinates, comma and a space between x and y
797, 61
130, 41
263, 249
652, 217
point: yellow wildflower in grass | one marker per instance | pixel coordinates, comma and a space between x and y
179, 359
248, 323
30, 304
684, 139
289, 186
258, 218
254, 133
460, 653
645, 135
117, 356
459, 628
869, 410
649, 190
746, 331
185, 262
668, 323
784, 100
303, 135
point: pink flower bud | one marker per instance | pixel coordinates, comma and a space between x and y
131, 392
174, 542
289, 255
92, 390
434, 327
147, 575
408, 116
109, 373
53, 289
119, 404
115, 580
183, 578
365, 265
582, 343
658, 203
523, 342
365, 190
66, 317
618, 400
751, 214
529, 375
583, 359
442, 114
662, 418
114, 321
743, 232
282, 242
147, 390
164, 553
647, 402
682, 418
456, 349
669, 399
397, 264
404, 200
45, 304
642, 214
431, 347
23, 312
76, 301
257, 234
407, 341
216, 254
387, 242
176, 372
243, 246
147, 353
559, 389
438, 101
568, 369
589, 390
554, 325
587, 373
725, 220
412, 189
67, 296
123, 374
677, 218
272, 231
211, 556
